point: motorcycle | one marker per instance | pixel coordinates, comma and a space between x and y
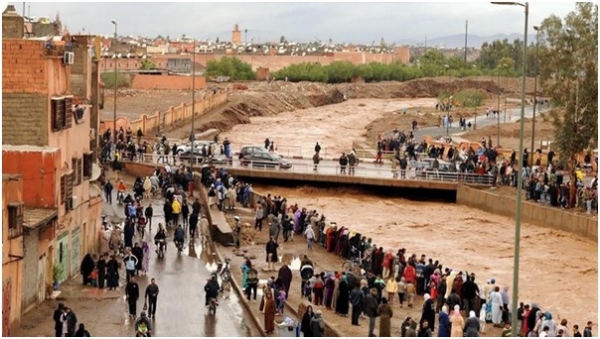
212, 306
161, 248
179, 245
120, 197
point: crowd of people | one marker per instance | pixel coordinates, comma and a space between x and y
380, 280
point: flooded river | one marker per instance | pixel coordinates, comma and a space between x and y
558, 270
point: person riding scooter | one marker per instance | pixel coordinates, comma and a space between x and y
143, 327
160, 238
121, 188
179, 235
212, 289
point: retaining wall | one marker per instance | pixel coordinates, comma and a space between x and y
532, 213
147, 123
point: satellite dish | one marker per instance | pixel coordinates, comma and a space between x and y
96, 172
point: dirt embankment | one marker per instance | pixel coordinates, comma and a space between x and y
264, 99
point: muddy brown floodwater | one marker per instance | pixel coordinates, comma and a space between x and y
558, 270
335, 127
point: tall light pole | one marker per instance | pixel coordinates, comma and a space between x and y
193, 134
115, 90
537, 48
498, 109
449, 103
476, 91
515, 289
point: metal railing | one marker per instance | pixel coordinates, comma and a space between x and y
366, 170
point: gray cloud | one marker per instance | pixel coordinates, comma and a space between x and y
342, 22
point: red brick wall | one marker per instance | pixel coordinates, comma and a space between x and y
144, 81
38, 170
273, 62
24, 67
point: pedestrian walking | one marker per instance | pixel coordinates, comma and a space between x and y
108, 188
151, 297
130, 261
139, 255
316, 160
101, 265
310, 237
193, 224
71, 321
82, 332
145, 257
148, 212
58, 325
132, 294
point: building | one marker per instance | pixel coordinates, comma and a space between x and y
50, 118
236, 35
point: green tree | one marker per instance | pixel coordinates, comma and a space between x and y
231, 67
569, 75
147, 64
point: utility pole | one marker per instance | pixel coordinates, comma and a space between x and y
193, 134
537, 47
115, 90
466, 37
425, 43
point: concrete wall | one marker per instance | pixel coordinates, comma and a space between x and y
533, 213
24, 118
145, 81
12, 269
148, 123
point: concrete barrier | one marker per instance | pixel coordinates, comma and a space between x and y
533, 213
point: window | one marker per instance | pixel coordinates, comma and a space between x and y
77, 166
88, 159
66, 188
61, 110
15, 220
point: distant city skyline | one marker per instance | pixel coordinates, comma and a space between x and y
300, 22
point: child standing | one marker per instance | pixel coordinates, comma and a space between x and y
401, 291
281, 300
94, 277
226, 289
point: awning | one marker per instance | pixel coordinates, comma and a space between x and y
34, 218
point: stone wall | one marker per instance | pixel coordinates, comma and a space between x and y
532, 213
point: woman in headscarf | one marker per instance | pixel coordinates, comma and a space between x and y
342, 303
329, 287
385, 318
444, 319
428, 312
145, 257
269, 313
112, 272
472, 325
306, 318
548, 321
458, 323
246, 266
87, 266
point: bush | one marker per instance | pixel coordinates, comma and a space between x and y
122, 80
465, 98
230, 67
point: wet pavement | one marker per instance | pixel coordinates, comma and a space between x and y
180, 307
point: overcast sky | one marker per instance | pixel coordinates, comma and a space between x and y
297, 21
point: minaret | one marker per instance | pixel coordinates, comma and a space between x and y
236, 35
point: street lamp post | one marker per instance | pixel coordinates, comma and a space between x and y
498, 110
193, 134
537, 48
115, 90
515, 291
449, 103
476, 91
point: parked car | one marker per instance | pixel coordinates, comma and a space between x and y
250, 150
266, 160
198, 144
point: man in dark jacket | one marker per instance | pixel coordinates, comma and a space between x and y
211, 289
132, 292
193, 224
356, 299
371, 307
469, 292
71, 320
57, 323
152, 295
148, 213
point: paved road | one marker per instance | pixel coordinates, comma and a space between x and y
180, 307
